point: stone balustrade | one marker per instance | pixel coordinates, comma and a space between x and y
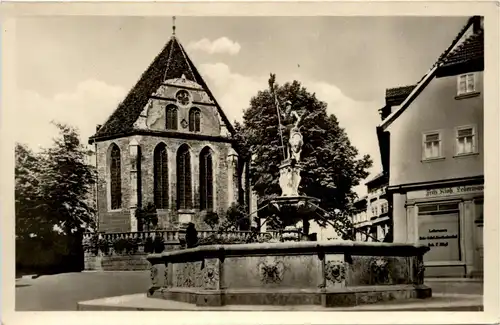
127, 250
172, 236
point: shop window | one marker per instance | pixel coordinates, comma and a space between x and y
465, 140
437, 208
466, 84
431, 145
441, 233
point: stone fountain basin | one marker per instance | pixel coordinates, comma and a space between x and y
330, 273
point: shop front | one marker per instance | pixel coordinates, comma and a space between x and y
449, 220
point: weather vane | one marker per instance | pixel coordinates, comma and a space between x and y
173, 25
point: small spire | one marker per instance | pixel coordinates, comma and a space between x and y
173, 26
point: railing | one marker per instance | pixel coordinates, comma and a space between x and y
172, 236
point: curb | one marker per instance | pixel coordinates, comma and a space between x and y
455, 280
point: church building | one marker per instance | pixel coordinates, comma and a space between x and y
168, 143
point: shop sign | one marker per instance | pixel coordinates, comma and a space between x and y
441, 234
446, 191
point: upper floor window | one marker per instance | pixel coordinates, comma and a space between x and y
466, 140
115, 178
171, 120
194, 120
384, 207
431, 145
466, 84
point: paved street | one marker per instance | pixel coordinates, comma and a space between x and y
63, 291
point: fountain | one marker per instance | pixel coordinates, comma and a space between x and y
293, 272
296, 272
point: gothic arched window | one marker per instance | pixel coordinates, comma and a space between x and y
206, 180
161, 176
194, 120
115, 177
184, 193
171, 120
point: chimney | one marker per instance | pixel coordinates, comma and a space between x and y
478, 24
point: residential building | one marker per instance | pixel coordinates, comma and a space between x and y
168, 143
431, 144
372, 222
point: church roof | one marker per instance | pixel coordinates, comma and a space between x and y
171, 63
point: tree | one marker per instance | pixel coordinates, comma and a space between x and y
67, 181
235, 218
31, 218
331, 166
211, 219
53, 205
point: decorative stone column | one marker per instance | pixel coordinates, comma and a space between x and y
134, 194
232, 181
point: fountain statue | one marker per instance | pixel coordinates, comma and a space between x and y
291, 205
290, 168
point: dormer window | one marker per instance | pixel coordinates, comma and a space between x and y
194, 120
466, 84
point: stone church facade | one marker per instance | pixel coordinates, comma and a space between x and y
168, 143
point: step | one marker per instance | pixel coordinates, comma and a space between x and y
140, 302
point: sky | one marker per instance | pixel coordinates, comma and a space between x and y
77, 69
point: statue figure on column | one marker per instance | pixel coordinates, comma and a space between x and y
295, 142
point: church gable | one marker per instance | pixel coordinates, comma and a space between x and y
181, 105
170, 83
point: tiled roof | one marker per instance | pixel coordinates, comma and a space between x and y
172, 62
399, 91
471, 49
395, 96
